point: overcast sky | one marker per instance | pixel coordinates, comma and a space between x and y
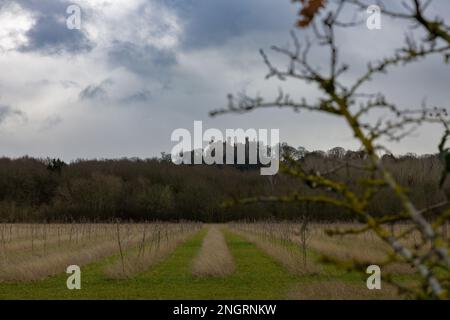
138, 69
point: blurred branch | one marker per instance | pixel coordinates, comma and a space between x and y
339, 100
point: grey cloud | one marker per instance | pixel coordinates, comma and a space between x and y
51, 121
52, 36
138, 97
224, 35
143, 60
50, 33
44, 6
42, 82
7, 112
212, 23
93, 92
68, 84
96, 91
99, 92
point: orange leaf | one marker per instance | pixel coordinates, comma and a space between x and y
308, 11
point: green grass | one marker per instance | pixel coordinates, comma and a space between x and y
257, 276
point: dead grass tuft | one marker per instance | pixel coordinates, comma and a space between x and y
214, 258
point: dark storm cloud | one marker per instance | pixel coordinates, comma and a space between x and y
184, 56
52, 36
50, 33
205, 23
211, 23
50, 7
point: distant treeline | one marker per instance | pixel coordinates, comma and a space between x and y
156, 189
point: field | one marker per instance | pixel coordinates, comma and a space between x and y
187, 261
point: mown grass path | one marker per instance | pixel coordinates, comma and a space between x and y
256, 277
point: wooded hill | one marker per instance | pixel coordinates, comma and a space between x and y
155, 189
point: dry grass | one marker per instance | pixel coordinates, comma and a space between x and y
363, 248
35, 251
40, 267
337, 290
156, 243
47, 250
289, 256
214, 258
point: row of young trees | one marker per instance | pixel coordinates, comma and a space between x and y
50, 190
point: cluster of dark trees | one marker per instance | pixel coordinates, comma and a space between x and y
244, 156
156, 189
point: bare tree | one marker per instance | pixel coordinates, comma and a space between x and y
304, 237
358, 109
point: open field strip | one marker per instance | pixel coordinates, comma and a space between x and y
214, 258
171, 279
258, 272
